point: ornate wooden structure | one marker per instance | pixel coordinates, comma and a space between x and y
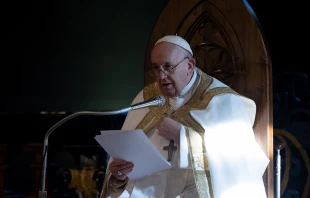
228, 44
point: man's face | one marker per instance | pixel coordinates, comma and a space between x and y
164, 54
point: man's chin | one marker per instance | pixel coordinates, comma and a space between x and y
170, 94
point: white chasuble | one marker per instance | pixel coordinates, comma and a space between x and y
218, 155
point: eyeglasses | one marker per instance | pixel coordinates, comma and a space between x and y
166, 69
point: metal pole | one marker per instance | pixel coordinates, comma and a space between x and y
278, 174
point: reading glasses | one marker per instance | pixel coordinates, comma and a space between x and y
166, 69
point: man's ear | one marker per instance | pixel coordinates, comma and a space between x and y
191, 63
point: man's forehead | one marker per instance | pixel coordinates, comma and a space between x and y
167, 51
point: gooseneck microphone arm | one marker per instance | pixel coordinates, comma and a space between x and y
153, 102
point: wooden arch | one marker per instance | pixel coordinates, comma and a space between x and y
228, 44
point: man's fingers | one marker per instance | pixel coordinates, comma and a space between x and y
121, 174
117, 162
126, 166
123, 168
126, 169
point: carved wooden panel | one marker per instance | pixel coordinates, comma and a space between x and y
229, 45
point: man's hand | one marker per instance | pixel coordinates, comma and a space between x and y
120, 168
169, 129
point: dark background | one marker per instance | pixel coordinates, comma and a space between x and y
89, 55
284, 27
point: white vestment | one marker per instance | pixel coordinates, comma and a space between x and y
236, 161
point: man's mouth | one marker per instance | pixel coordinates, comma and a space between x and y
166, 85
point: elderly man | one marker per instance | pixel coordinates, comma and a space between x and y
209, 125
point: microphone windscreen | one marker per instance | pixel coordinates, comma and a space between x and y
162, 100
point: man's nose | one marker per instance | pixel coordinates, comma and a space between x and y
162, 74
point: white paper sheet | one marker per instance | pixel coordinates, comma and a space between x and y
133, 146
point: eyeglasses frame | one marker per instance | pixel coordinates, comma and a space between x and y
153, 70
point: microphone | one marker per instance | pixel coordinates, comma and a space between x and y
156, 101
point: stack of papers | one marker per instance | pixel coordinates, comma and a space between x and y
133, 146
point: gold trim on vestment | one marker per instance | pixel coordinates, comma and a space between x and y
195, 142
202, 82
199, 100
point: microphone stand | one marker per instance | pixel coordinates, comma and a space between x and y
155, 101
43, 193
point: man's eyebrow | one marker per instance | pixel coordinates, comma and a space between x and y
165, 63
